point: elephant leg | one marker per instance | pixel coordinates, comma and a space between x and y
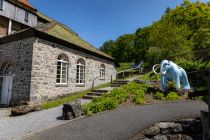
177, 82
185, 82
163, 83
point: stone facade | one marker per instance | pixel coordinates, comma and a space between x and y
35, 66
19, 54
44, 68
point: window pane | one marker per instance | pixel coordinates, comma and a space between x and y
58, 81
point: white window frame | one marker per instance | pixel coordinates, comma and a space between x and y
80, 77
62, 59
102, 71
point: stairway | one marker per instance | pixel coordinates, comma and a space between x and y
118, 83
98, 93
95, 94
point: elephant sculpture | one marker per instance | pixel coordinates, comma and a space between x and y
170, 71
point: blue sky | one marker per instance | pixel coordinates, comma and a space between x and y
97, 21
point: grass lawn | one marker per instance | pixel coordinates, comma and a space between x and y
124, 66
146, 76
70, 98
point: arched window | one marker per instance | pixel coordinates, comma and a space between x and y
8, 69
80, 76
102, 71
62, 69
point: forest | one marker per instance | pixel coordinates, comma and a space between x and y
181, 35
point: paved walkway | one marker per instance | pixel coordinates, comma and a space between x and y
121, 123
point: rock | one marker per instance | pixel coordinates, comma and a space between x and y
160, 137
174, 137
152, 131
24, 109
185, 137
190, 126
169, 127
72, 110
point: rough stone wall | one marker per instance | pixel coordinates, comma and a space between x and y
18, 53
44, 68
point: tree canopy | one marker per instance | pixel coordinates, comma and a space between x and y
183, 29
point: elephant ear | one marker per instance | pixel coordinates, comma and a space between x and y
163, 68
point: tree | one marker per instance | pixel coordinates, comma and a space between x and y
108, 47
124, 48
141, 43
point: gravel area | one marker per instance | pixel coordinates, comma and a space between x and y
16, 127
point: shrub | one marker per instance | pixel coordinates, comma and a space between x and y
87, 109
159, 96
170, 86
138, 97
172, 96
115, 97
138, 100
110, 104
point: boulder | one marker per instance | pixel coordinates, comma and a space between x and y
152, 131
71, 111
24, 109
191, 126
169, 127
160, 137
174, 137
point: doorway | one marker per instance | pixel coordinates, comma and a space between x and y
6, 84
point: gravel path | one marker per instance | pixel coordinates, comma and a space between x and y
121, 123
16, 127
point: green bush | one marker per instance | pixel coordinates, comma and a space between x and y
170, 86
159, 96
138, 97
172, 96
87, 109
115, 97
110, 103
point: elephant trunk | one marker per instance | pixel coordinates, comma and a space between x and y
153, 68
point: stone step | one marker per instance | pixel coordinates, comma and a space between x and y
122, 81
100, 91
90, 97
119, 83
95, 93
115, 85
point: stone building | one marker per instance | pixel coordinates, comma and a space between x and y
42, 59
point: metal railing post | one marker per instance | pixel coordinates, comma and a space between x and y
111, 79
93, 84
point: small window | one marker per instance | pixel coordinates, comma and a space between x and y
80, 75
62, 70
1, 4
102, 71
26, 16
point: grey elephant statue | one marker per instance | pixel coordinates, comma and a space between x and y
170, 71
